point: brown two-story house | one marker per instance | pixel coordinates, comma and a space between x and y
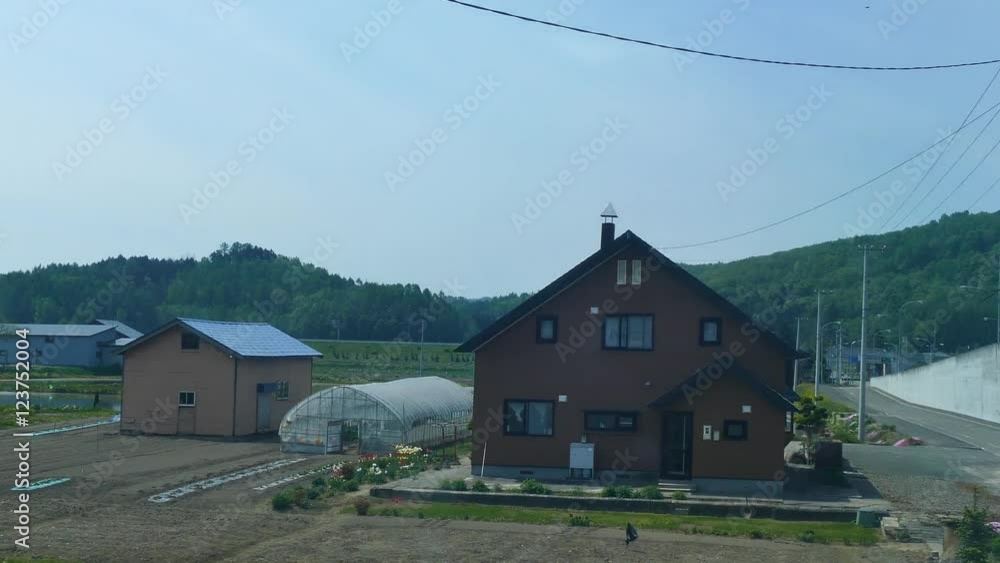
631, 354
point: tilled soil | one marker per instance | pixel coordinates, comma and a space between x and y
112, 520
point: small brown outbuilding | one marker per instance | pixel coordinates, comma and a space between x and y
213, 378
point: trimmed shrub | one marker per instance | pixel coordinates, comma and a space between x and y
581, 521
533, 487
480, 487
314, 493
361, 506
351, 486
282, 501
453, 485
651, 492
679, 495
619, 491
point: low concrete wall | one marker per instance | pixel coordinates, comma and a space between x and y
736, 509
967, 384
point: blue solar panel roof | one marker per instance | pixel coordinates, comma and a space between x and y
251, 340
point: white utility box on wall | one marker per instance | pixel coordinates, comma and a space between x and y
581, 460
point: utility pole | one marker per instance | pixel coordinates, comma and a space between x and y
795, 362
862, 414
840, 355
420, 369
819, 302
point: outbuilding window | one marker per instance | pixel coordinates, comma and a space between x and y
190, 341
281, 393
528, 418
185, 399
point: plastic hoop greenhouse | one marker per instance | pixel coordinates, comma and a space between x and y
375, 417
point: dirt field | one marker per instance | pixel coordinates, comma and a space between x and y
112, 520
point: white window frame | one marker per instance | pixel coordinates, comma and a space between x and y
622, 272
194, 399
636, 272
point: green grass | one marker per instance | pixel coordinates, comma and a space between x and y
806, 390
46, 415
42, 371
364, 362
110, 389
822, 532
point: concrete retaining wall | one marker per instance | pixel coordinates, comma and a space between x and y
736, 509
967, 384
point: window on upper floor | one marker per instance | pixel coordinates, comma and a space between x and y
628, 332
710, 333
622, 272
636, 272
546, 330
528, 418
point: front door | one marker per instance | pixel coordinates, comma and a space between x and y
677, 439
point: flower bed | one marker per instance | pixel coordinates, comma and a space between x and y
405, 461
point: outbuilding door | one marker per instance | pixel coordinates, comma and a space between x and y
185, 420
264, 391
678, 437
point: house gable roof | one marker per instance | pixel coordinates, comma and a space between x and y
625, 240
695, 385
243, 340
123, 329
54, 329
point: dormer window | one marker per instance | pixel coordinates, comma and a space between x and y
546, 330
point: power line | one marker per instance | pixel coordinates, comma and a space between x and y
945, 175
709, 53
835, 198
940, 154
960, 184
982, 195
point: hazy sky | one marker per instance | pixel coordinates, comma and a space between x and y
303, 121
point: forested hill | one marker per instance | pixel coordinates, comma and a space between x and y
242, 282
249, 283
926, 263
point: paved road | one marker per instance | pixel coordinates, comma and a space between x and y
935, 427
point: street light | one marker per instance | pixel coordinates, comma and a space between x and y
997, 294
819, 329
820, 370
899, 333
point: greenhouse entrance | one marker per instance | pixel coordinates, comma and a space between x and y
375, 417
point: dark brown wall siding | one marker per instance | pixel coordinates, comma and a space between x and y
513, 365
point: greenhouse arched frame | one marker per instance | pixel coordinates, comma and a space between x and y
421, 411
